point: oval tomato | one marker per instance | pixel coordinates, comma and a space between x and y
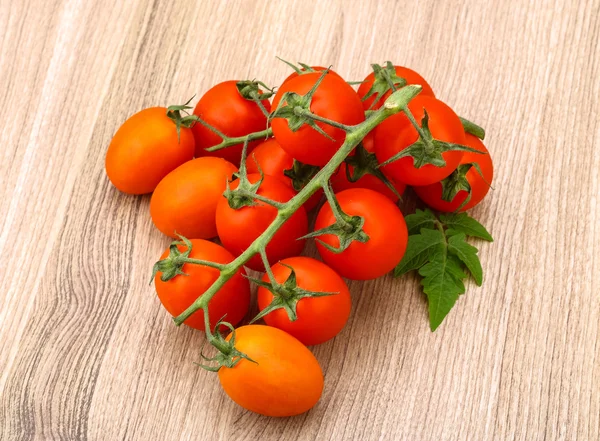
432, 194
334, 99
239, 228
185, 201
176, 295
286, 379
315, 69
384, 225
273, 161
319, 319
145, 149
409, 75
397, 133
224, 108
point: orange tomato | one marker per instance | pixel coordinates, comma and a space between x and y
286, 379
185, 201
145, 149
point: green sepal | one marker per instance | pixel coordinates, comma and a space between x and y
172, 265
362, 163
385, 80
301, 174
175, 114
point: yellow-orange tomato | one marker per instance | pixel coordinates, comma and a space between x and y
286, 379
185, 201
145, 149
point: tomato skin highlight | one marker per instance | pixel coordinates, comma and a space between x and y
409, 75
334, 99
145, 149
397, 133
286, 379
273, 160
224, 108
185, 201
385, 226
237, 229
432, 194
231, 301
319, 319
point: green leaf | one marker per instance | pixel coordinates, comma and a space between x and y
463, 223
443, 283
420, 219
467, 254
421, 248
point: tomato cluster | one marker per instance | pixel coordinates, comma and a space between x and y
223, 176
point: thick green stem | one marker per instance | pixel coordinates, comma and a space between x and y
395, 103
228, 142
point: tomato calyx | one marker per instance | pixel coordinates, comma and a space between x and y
286, 295
174, 113
300, 174
364, 163
305, 67
385, 80
346, 228
249, 89
228, 356
426, 149
172, 265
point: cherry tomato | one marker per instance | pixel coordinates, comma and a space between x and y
273, 161
334, 99
224, 108
285, 379
145, 149
185, 201
409, 75
231, 301
314, 68
397, 133
318, 318
239, 228
383, 224
432, 194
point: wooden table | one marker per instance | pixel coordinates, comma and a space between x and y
86, 350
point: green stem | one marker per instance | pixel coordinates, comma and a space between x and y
415, 124
303, 112
394, 104
228, 142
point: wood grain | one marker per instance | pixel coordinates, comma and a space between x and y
87, 352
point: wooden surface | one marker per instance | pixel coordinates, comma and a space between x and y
88, 353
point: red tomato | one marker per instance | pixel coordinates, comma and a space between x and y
145, 149
432, 194
385, 226
231, 301
273, 160
314, 68
285, 379
224, 108
319, 319
334, 99
397, 133
409, 75
239, 228
185, 201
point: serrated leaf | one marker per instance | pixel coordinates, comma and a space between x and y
442, 283
420, 219
463, 223
420, 249
467, 254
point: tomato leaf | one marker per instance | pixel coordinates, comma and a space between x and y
421, 248
420, 219
463, 223
458, 246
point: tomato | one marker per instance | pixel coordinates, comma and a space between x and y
432, 194
340, 182
409, 75
319, 319
231, 301
397, 133
314, 68
383, 224
334, 99
185, 201
285, 379
224, 108
145, 149
273, 161
239, 228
